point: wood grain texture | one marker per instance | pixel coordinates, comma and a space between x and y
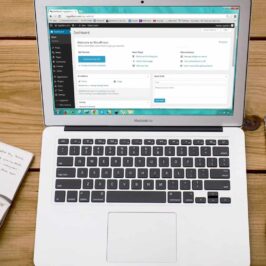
20, 105
17, 18
17, 234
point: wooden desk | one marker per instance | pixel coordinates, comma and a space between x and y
21, 125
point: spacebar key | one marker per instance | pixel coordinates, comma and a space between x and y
136, 196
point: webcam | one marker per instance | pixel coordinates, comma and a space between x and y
142, 2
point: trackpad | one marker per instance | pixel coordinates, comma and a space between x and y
141, 237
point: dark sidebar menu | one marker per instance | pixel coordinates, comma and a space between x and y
62, 70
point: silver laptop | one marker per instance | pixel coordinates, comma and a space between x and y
143, 156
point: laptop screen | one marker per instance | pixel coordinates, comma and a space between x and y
143, 60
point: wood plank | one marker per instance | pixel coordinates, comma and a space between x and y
257, 216
20, 105
17, 18
17, 234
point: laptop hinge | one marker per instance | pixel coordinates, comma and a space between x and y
144, 128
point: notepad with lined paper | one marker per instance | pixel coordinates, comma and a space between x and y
14, 163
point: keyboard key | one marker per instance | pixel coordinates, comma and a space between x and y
62, 150
161, 142
179, 173
188, 197
82, 172
160, 184
197, 185
94, 172
212, 197
63, 141
127, 161
152, 162
225, 200
136, 141
87, 184
169, 151
181, 151
86, 150
136, 184
193, 151
80, 161
124, 141
149, 142
175, 162
188, 162
136, 196
174, 197
100, 141
173, 142
185, 185
200, 200
134, 150
148, 185
116, 161
211, 162
111, 184
106, 173
217, 185
98, 150
65, 161
110, 150
74, 150
130, 173
205, 151
72, 196
154, 173
191, 173
84, 196
186, 142
122, 150
99, 184
145, 151
118, 173
104, 161
60, 196
220, 151
112, 141
198, 142
224, 162
199, 162
172, 184
210, 142
124, 184
92, 161
157, 151
203, 173
220, 173
88, 141
65, 172
139, 161
75, 141
166, 173
98, 196
164, 162
142, 173
223, 142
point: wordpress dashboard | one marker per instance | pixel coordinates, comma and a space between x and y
181, 61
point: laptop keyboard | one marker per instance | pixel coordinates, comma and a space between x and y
143, 171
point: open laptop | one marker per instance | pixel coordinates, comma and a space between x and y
143, 156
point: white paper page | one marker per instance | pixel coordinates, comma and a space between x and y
14, 163
4, 206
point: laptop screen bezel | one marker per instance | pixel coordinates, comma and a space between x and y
141, 120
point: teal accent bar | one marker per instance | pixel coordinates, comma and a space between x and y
91, 59
147, 9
